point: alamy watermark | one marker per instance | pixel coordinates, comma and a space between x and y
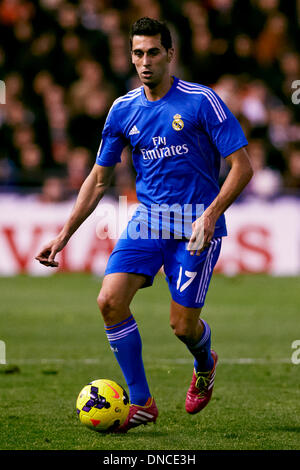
158, 221
296, 354
2, 92
2, 352
296, 94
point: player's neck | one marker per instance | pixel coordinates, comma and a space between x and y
158, 92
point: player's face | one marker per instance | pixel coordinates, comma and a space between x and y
151, 59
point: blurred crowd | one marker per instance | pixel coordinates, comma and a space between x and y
63, 63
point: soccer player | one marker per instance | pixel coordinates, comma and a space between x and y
178, 132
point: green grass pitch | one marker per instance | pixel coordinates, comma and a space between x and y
55, 344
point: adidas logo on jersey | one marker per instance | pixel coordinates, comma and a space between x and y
134, 131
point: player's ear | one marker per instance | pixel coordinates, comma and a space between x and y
170, 54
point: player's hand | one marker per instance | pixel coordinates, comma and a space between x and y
48, 253
203, 231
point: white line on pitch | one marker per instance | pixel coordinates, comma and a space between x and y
154, 362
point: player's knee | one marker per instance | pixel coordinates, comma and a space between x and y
111, 307
182, 330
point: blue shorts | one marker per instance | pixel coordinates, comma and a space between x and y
188, 276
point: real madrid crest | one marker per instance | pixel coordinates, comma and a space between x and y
178, 123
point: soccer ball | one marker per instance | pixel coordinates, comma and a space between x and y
102, 405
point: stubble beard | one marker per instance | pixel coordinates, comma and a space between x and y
151, 83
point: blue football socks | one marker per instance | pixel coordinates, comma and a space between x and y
126, 344
201, 351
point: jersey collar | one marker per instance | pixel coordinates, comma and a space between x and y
165, 98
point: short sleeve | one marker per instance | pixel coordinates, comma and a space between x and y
112, 142
220, 124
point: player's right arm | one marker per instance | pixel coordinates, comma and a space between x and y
93, 188
90, 193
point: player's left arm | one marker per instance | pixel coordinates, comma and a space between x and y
238, 177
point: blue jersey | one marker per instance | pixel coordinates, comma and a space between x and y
177, 143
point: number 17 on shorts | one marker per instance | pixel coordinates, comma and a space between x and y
189, 278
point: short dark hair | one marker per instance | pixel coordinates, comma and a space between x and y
150, 27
